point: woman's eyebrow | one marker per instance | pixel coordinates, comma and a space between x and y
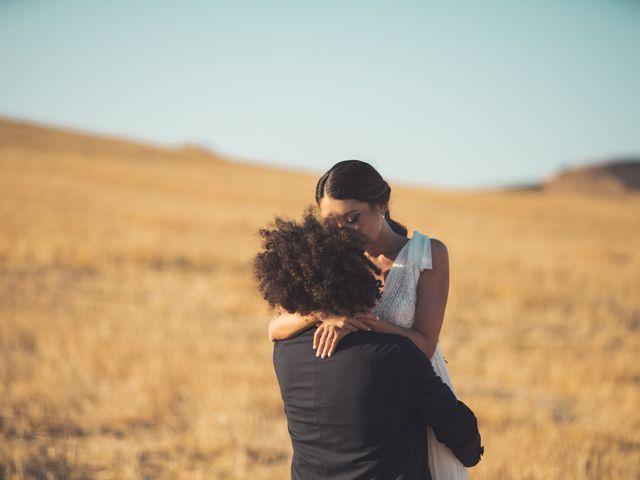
350, 211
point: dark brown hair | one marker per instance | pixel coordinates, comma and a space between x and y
357, 180
315, 266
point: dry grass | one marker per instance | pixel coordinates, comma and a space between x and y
133, 344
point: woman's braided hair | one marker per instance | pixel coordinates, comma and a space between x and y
358, 180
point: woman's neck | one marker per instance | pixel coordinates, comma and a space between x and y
387, 245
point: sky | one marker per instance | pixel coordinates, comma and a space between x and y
443, 94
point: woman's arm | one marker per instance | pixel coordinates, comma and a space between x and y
433, 291
286, 325
432, 294
415, 336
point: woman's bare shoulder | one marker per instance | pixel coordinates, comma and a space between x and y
439, 255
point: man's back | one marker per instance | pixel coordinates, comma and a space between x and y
362, 412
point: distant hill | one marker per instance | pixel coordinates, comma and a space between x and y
610, 177
33, 137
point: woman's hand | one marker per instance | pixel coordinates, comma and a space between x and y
352, 324
332, 329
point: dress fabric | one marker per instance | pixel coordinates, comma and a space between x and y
397, 305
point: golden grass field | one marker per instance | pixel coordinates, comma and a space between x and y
133, 344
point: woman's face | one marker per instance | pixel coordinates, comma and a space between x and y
354, 214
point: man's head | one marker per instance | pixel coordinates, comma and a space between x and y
315, 266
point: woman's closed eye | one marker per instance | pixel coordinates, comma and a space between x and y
352, 220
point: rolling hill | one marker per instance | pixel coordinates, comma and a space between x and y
613, 177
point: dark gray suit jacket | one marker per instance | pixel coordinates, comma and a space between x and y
362, 413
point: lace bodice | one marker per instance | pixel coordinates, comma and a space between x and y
397, 304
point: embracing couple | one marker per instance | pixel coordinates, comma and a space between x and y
360, 307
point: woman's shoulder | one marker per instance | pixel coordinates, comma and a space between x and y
438, 247
435, 243
434, 251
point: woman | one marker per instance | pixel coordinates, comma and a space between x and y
414, 277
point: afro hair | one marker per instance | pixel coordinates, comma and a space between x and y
315, 266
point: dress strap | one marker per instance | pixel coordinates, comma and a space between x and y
420, 253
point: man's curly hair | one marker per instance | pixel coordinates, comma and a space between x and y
315, 266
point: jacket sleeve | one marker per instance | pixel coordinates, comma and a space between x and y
422, 392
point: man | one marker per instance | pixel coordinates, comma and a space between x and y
360, 414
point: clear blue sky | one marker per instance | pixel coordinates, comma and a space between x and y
467, 93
